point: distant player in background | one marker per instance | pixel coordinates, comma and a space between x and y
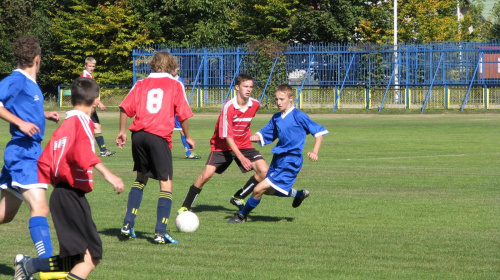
90, 63
153, 102
291, 127
21, 105
67, 163
187, 149
231, 141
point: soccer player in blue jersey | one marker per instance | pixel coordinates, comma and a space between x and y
291, 127
187, 148
21, 105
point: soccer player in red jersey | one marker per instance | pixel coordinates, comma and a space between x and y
67, 163
231, 141
153, 102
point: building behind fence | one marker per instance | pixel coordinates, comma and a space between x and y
436, 75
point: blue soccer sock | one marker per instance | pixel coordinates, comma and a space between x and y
134, 202
40, 234
163, 212
249, 206
71, 276
186, 145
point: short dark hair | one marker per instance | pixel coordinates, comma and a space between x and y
84, 91
242, 78
25, 49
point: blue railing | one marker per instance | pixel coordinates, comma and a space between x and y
339, 66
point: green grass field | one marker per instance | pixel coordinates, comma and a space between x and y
392, 197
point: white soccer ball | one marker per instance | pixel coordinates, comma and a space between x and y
187, 221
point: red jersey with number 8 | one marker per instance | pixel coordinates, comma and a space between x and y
154, 101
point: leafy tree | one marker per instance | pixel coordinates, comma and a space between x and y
494, 33
106, 31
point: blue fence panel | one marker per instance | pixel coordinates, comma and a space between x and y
326, 69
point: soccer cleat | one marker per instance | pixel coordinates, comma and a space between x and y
298, 200
20, 268
182, 209
238, 202
164, 239
193, 156
128, 232
237, 219
107, 153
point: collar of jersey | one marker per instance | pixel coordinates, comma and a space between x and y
283, 115
160, 75
25, 74
237, 106
77, 113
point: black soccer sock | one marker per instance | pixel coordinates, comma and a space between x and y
191, 196
100, 142
247, 188
163, 212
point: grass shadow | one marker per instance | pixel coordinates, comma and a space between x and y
6, 270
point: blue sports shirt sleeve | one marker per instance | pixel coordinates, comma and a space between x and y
268, 133
310, 126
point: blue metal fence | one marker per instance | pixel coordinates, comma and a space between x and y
439, 74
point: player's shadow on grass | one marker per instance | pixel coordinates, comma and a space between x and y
270, 219
212, 208
6, 270
116, 233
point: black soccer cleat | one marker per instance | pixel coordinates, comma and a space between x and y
237, 219
298, 200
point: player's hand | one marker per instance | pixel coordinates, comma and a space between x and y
312, 156
52, 116
254, 138
102, 106
246, 163
121, 139
116, 182
29, 128
191, 142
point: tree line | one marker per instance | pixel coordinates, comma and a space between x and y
70, 30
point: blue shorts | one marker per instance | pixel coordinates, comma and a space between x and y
283, 171
20, 170
177, 123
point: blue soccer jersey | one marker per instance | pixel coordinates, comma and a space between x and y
291, 129
21, 96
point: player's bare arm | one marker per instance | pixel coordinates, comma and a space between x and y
101, 105
121, 138
26, 127
313, 156
246, 163
111, 178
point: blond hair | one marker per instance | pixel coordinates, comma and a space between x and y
90, 60
285, 88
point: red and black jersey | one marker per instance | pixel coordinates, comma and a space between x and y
234, 122
154, 101
70, 155
86, 74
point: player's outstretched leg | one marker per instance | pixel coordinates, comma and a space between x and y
301, 195
238, 198
193, 192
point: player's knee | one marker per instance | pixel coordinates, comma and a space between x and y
40, 210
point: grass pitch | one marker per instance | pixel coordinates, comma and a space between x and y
392, 197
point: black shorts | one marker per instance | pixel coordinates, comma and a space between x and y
223, 159
152, 156
94, 117
76, 231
